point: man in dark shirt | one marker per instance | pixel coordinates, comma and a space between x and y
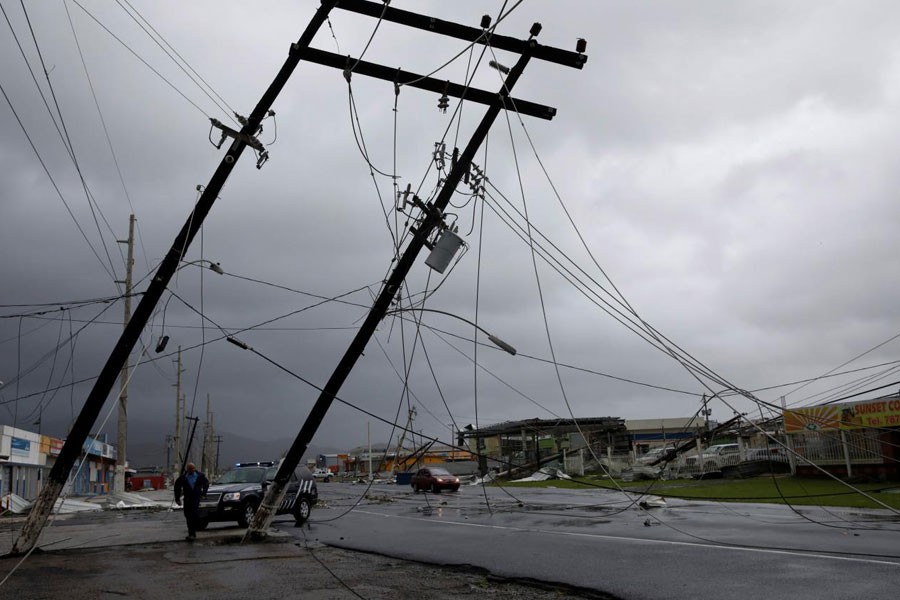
193, 485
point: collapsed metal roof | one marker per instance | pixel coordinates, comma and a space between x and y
558, 426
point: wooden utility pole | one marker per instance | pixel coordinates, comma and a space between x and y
206, 454
409, 427
97, 397
431, 220
218, 440
122, 423
179, 416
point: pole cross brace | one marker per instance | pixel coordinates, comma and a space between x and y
399, 77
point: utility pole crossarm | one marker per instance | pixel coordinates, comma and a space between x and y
438, 86
463, 32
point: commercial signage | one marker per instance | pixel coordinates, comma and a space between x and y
92, 446
19, 447
851, 415
55, 446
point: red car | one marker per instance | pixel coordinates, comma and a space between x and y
434, 479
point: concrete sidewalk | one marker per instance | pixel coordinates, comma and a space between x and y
143, 554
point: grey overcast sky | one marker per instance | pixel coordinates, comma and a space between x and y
730, 166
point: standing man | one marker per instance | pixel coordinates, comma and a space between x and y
193, 484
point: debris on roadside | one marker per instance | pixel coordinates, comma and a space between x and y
18, 505
64, 506
652, 502
15, 504
490, 477
130, 500
638, 472
545, 474
381, 498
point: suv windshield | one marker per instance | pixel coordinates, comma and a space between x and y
244, 475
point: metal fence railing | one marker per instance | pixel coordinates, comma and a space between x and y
859, 446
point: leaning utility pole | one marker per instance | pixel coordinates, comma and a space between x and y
71, 449
431, 221
122, 424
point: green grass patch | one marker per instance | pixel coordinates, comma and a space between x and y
764, 489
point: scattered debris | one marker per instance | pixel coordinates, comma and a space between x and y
382, 498
65, 506
638, 472
15, 504
652, 502
19, 505
129, 500
490, 477
545, 474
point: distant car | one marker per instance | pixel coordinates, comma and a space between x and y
323, 474
776, 453
653, 454
237, 494
721, 455
435, 479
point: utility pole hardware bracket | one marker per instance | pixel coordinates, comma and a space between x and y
252, 141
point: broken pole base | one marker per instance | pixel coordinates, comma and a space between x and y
40, 512
259, 526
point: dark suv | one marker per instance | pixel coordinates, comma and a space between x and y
237, 494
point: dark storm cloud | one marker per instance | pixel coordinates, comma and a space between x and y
729, 165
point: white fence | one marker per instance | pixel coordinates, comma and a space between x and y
858, 447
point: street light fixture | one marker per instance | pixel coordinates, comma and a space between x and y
493, 338
213, 266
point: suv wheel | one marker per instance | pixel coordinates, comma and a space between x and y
247, 511
301, 512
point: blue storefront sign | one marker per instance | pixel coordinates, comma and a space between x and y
19, 447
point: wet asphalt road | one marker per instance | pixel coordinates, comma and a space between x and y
595, 539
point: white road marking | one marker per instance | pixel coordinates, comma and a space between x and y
629, 539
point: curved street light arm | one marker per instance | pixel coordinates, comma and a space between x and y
493, 338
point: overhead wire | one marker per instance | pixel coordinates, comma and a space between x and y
92, 202
53, 181
218, 100
64, 496
842, 365
477, 290
141, 59
109, 143
568, 274
666, 345
202, 331
834, 374
37, 363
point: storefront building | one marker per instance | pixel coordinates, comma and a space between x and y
850, 439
